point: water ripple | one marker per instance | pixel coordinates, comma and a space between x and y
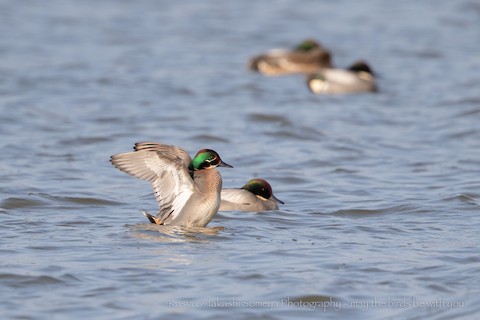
19, 203
20, 281
381, 190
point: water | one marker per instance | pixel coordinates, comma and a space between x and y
381, 190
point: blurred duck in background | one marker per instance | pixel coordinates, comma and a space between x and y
357, 78
307, 57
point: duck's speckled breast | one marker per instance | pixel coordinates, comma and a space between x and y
204, 204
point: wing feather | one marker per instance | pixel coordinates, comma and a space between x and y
167, 172
166, 148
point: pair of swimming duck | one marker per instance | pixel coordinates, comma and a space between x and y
310, 58
189, 191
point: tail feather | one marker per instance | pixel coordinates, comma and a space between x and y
151, 218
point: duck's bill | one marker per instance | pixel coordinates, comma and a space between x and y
276, 199
226, 165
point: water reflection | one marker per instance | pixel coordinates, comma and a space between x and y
160, 233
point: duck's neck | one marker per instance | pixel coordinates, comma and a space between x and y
208, 181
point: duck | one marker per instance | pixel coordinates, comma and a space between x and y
306, 57
255, 196
187, 190
359, 77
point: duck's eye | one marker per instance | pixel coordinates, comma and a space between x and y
212, 160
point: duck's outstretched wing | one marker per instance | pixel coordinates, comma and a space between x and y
166, 170
166, 148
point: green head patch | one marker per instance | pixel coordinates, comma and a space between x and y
259, 187
202, 159
307, 45
206, 158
